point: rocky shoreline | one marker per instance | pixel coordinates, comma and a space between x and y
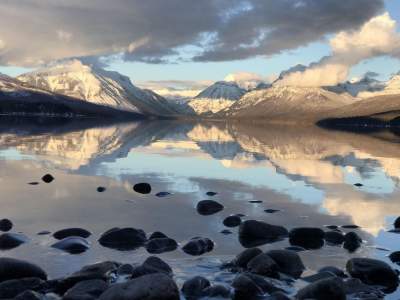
252, 274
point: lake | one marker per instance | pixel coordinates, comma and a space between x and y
307, 174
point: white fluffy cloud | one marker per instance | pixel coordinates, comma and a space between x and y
245, 80
377, 37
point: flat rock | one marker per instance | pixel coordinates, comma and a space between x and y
12, 240
5, 225
72, 245
11, 268
161, 245
142, 188
198, 246
208, 207
254, 233
307, 237
67, 232
123, 238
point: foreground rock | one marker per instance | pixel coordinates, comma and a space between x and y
147, 287
288, 262
209, 207
372, 272
11, 268
198, 246
194, 287
123, 238
11, 288
232, 221
5, 225
86, 290
253, 233
243, 258
307, 237
11, 240
48, 178
72, 245
142, 188
263, 265
249, 286
325, 289
64, 233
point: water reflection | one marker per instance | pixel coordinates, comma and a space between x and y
307, 173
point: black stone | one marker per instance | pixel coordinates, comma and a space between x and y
232, 221
247, 286
123, 238
209, 207
11, 268
397, 223
289, 262
334, 237
395, 257
125, 269
255, 201
351, 226
263, 265
198, 246
254, 233
217, 291
5, 225
193, 288
358, 184
101, 189
43, 232
64, 233
72, 245
334, 270
271, 211
243, 258
12, 288
332, 227
318, 276
325, 289
47, 178
86, 290
158, 264
33, 183
307, 237
211, 194
161, 245
11, 240
162, 194
157, 235
142, 188
352, 241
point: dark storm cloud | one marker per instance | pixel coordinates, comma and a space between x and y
37, 31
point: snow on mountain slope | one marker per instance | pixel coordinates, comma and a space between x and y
391, 87
78, 80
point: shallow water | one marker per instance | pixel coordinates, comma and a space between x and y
307, 173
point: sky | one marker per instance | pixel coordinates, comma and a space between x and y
179, 44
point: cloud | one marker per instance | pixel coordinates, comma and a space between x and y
158, 31
377, 37
2, 44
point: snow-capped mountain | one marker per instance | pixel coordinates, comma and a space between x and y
75, 79
391, 87
216, 97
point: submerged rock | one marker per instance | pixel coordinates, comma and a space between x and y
123, 238
12, 288
395, 257
72, 245
289, 262
64, 233
209, 207
11, 240
193, 288
307, 237
86, 290
352, 241
255, 233
232, 221
198, 246
226, 232
11, 268
5, 225
324, 289
142, 188
48, 178
161, 245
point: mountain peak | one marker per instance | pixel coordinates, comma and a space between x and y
227, 90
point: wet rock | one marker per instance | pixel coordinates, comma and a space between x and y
307, 237
101, 189
334, 270
33, 183
198, 246
243, 258
209, 207
247, 286
43, 232
64, 233
263, 265
125, 269
48, 178
372, 272
278, 296
254, 233
334, 237
162, 194
31, 295
14, 287
158, 264
226, 232
211, 194
295, 248
217, 291
147, 287
142, 188
161, 245
271, 211
11, 240
351, 226
232, 221
86, 290
355, 289
352, 241
395, 257
123, 238
255, 201
193, 288
318, 276
11, 268
5, 225
397, 223
358, 184
325, 289
157, 235
72, 245
332, 227
289, 262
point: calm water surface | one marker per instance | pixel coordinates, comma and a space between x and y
307, 173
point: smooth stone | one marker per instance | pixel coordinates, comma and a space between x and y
158, 264
397, 223
31, 295
307, 237
148, 287
11, 268
208, 207
232, 221
14, 287
125, 269
47, 178
123, 238
271, 211
263, 265
352, 241
198, 246
226, 232
334, 237
248, 285
351, 226
211, 194
5, 225
161, 245
194, 287
289, 262
372, 272
86, 290
358, 184
325, 289
101, 189
142, 188
72, 245
162, 194
254, 233
64, 233
217, 291
334, 270
157, 235
11, 240
395, 257
243, 258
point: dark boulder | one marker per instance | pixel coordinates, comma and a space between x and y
161, 245
307, 237
254, 233
325, 289
123, 238
64, 233
232, 221
397, 223
12, 288
193, 288
158, 264
248, 286
142, 188
147, 287
11, 268
209, 207
11, 240
217, 291
334, 237
289, 262
395, 257
263, 265
157, 235
372, 272
86, 290
5, 225
243, 258
72, 245
198, 246
48, 178
352, 241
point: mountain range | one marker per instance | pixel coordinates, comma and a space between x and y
73, 88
